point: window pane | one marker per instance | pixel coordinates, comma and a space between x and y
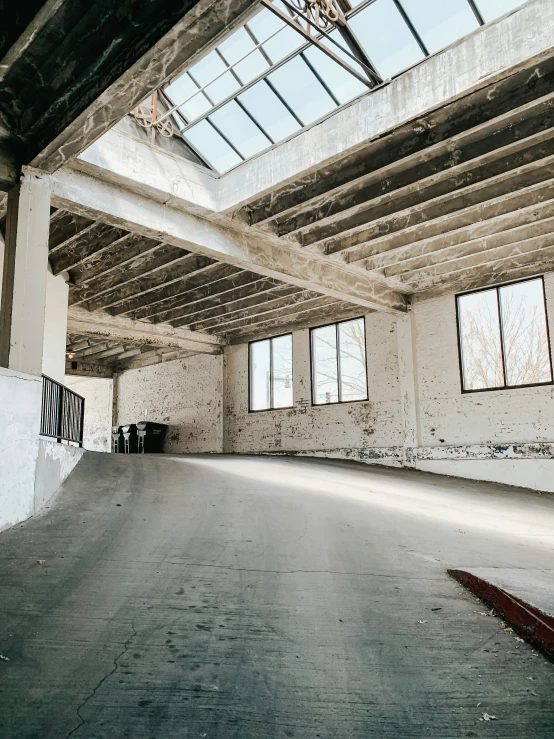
491, 9
236, 46
195, 107
343, 85
302, 91
260, 391
282, 371
266, 108
324, 357
233, 122
212, 146
264, 24
283, 43
525, 333
251, 67
181, 89
480, 340
386, 38
353, 375
440, 23
208, 68
221, 88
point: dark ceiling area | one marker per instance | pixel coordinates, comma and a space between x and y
71, 69
78, 51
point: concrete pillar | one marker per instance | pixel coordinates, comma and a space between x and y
55, 326
24, 280
407, 373
1, 263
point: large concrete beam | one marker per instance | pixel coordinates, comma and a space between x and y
102, 200
102, 325
502, 229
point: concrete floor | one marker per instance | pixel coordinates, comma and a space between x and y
256, 598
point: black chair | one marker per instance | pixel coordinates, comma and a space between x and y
130, 443
117, 440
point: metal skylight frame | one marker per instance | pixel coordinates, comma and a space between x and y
357, 66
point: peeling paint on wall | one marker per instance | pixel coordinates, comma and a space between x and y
361, 430
186, 394
98, 395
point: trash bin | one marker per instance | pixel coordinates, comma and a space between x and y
151, 437
130, 445
117, 440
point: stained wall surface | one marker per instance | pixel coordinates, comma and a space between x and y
98, 395
504, 436
521, 415
416, 414
186, 394
360, 430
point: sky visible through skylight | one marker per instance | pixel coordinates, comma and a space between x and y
265, 82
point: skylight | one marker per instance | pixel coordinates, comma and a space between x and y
265, 82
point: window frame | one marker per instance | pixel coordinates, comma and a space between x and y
271, 381
312, 364
497, 288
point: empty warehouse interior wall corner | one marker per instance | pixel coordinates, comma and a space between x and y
416, 415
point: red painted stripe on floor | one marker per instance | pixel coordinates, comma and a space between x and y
532, 624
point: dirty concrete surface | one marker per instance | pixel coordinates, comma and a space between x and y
248, 597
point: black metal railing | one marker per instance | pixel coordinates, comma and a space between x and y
63, 412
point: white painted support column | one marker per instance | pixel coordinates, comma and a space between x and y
24, 279
407, 375
1, 264
55, 326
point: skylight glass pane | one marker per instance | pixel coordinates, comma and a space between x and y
341, 49
212, 146
195, 107
491, 9
525, 333
222, 88
260, 373
440, 23
264, 24
269, 111
236, 46
283, 44
480, 340
251, 67
386, 38
233, 122
282, 371
181, 89
342, 84
302, 90
208, 68
353, 374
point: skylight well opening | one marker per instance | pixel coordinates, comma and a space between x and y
266, 81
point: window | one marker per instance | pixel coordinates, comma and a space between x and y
266, 81
339, 370
503, 337
270, 377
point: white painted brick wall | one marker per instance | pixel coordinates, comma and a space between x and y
205, 402
500, 416
97, 393
186, 394
358, 426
